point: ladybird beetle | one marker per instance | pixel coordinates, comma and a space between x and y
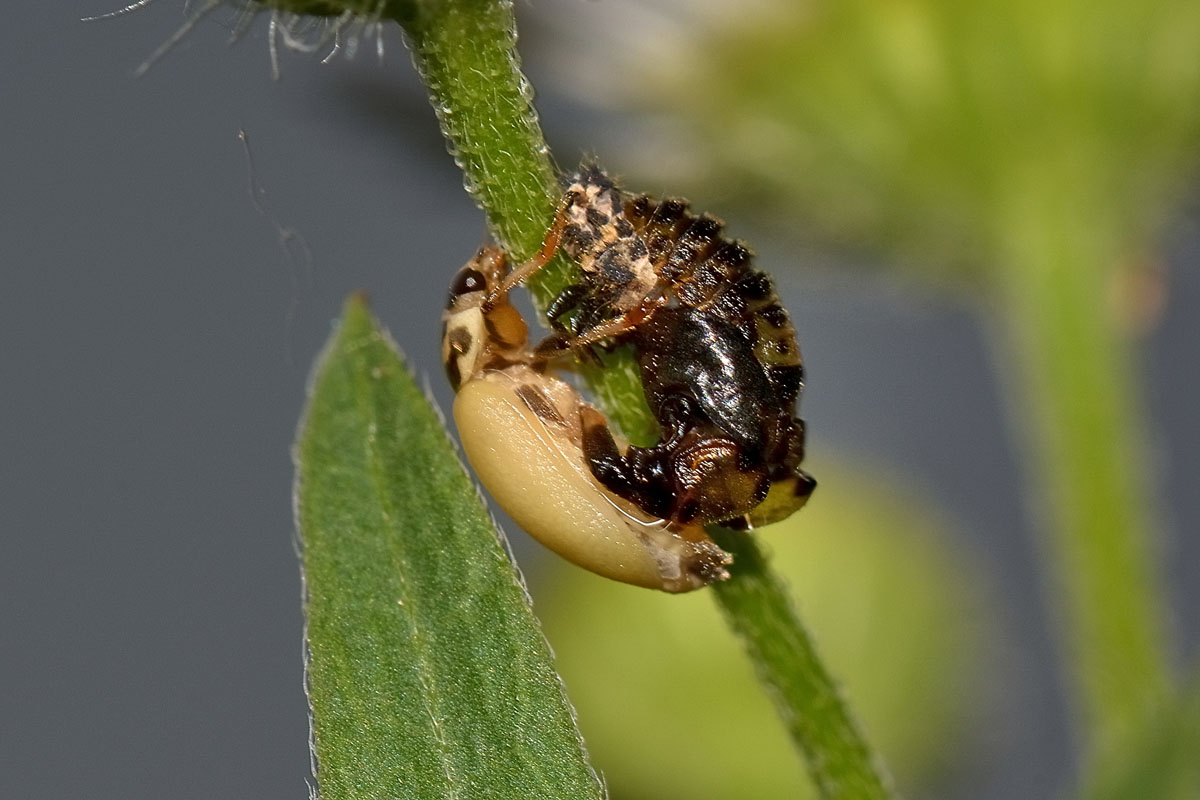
717, 354
523, 429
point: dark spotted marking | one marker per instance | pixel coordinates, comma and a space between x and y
540, 405
666, 281
460, 340
595, 218
776, 317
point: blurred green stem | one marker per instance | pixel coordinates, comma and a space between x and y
1085, 428
464, 50
759, 609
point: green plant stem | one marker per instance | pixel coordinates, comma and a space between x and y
759, 610
464, 50
1084, 426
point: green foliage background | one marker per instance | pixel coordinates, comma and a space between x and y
1028, 153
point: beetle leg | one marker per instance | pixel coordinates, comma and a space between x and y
553, 346
542, 257
639, 476
566, 300
676, 415
622, 323
603, 459
577, 298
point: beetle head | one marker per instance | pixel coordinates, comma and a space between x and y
480, 330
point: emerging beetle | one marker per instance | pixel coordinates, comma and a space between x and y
718, 355
523, 431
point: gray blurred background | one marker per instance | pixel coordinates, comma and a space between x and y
164, 294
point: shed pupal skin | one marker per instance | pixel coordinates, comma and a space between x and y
716, 351
522, 429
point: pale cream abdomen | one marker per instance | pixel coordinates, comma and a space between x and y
533, 467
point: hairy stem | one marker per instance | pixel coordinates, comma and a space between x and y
759, 610
464, 50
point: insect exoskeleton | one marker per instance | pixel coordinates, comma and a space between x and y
522, 429
717, 354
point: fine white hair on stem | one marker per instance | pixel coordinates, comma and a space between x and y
335, 49
176, 37
306, 34
120, 12
246, 14
377, 29
271, 48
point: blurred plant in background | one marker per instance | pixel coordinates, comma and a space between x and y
1030, 152
901, 618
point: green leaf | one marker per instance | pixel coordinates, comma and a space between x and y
428, 674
